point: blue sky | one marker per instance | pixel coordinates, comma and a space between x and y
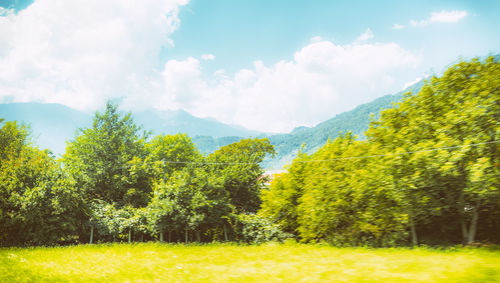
265, 65
244, 31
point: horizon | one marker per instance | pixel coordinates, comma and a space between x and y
269, 67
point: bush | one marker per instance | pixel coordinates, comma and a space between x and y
255, 229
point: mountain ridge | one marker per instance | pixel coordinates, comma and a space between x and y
54, 124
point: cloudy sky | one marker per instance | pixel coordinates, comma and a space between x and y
266, 65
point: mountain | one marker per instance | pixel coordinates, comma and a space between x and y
175, 121
356, 121
54, 124
51, 124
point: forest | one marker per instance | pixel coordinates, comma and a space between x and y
427, 173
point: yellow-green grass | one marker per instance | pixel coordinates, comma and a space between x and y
239, 263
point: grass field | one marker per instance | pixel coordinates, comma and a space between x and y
235, 263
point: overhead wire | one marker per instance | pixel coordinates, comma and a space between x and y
398, 153
332, 159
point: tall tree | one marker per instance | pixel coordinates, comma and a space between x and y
99, 158
239, 166
459, 113
38, 204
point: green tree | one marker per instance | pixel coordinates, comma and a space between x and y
174, 152
458, 113
99, 158
242, 176
38, 204
345, 200
280, 201
192, 200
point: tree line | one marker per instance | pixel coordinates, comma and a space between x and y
116, 182
428, 172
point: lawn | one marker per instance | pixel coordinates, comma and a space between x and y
273, 262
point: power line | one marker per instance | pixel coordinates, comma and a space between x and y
333, 159
211, 163
398, 153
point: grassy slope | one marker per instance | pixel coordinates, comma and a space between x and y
223, 263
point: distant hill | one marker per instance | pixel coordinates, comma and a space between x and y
208, 144
355, 121
54, 124
51, 124
180, 121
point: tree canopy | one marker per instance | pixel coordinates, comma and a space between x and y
428, 173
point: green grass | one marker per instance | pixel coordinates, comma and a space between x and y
236, 263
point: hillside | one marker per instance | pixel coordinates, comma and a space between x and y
356, 121
54, 124
180, 121
51, 124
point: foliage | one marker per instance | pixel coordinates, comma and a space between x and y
428, 172
98, 159
429, 169
37, 203
189, 201
255, 229
238, 164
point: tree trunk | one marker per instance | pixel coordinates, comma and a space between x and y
473, 224
463, 225
198, 236
161, 236
169, 236
142, 237
414, 239
91, 234
225, 233
129, 235
186, 236
465, 233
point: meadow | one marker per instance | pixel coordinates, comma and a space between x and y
272, 262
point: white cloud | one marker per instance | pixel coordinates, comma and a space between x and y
447, 16
6, 11
368, 34
416, 80
440, 17
316, 38
321, 80
398, 26
208, 57
410, 83
82, 52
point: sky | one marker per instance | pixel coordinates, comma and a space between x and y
265, 65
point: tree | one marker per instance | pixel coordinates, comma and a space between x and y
174, 152
281, 200
458, 114
191, 200
38, 204
336, 195
99, 158
239, 166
